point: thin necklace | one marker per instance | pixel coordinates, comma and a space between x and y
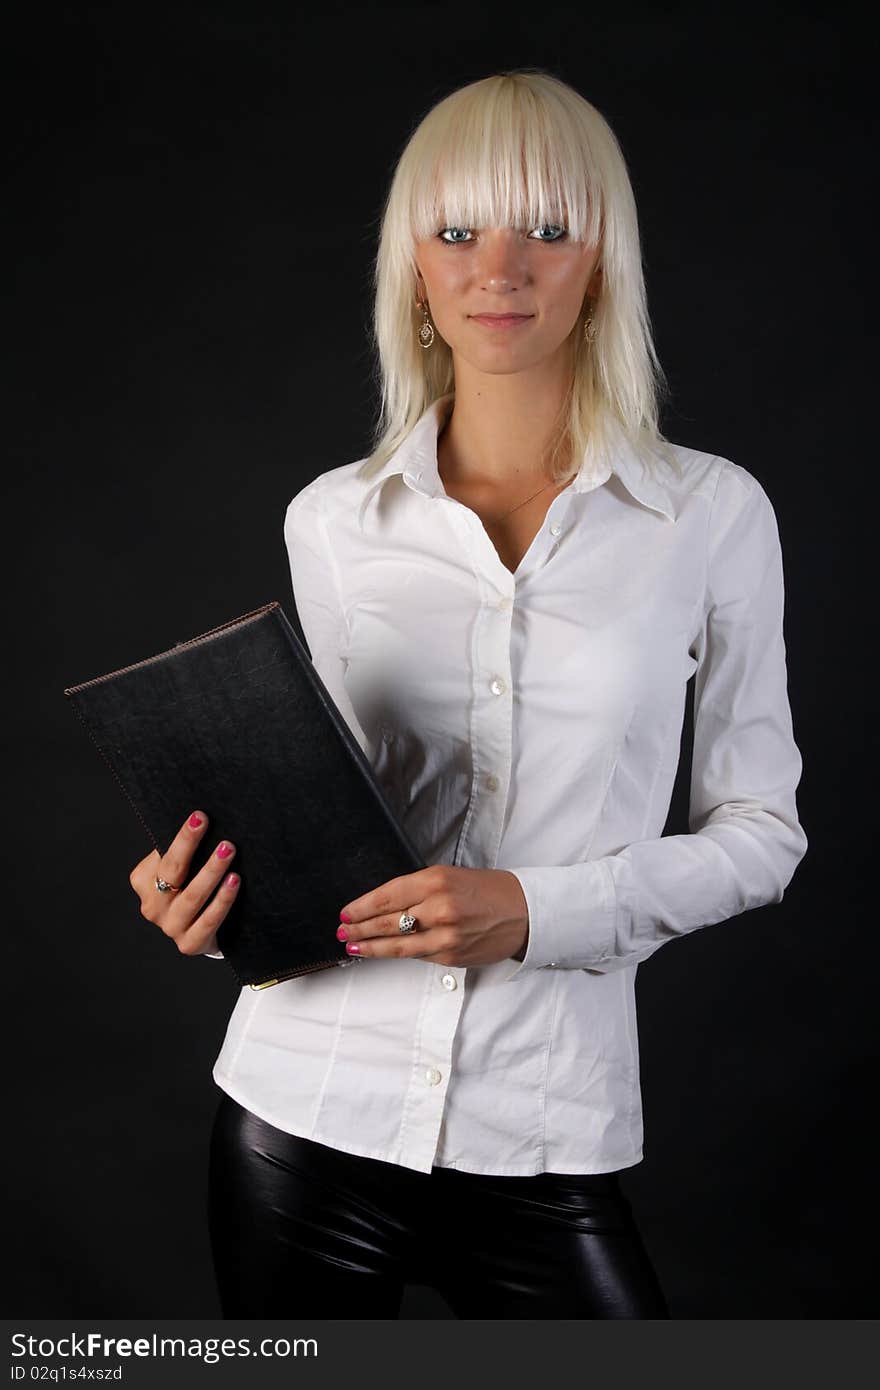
505, 515
522, 504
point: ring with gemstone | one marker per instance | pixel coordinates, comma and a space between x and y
406, 922
165, 887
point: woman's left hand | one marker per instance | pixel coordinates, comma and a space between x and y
464, 917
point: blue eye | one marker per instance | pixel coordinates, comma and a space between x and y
555, 227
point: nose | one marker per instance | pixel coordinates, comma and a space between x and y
502, 262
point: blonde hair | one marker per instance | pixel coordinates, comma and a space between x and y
517, 149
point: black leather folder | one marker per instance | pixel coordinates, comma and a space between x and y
238, 722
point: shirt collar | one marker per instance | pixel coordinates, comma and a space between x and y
416, 461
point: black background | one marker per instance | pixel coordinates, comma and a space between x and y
193, 195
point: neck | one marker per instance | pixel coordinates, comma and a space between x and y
501, 427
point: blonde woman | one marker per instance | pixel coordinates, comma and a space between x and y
506, 600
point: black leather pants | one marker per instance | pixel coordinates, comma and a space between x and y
301, 1230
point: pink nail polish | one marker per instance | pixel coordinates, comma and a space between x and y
224, 850
341, 934
231, 881
353, 948
195, 821
344, 917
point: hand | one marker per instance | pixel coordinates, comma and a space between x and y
179, 914
465, 917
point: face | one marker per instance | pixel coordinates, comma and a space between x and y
538, 274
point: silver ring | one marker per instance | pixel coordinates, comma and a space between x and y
165, 887
406, 922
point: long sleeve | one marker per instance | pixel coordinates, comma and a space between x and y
315, 585
317, 593
746, 840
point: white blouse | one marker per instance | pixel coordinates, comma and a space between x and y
531, 721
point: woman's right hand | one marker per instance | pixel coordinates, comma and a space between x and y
180, 915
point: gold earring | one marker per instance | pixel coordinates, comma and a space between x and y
590, 327
426, 331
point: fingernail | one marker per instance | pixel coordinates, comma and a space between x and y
344, 917
353, 948
231, 881
341, 934
195, 820
224, 850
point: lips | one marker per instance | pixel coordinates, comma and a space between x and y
501, 320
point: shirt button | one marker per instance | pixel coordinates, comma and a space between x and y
555, 529
503, 604
497, 686
432, 1076
449, 982
387, 735
492, 782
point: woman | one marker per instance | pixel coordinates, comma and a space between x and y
506, 600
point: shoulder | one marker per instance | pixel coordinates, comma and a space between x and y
723, 487
739, 523
325, 494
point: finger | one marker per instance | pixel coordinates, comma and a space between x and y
407, 888
200, 935
141, 876
435, 910
435, 941
174, 864
382, 935
189, 901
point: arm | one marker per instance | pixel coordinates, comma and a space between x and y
318, 596
315, 582
746, 840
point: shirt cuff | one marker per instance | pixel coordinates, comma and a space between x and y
571, 917
214, 955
